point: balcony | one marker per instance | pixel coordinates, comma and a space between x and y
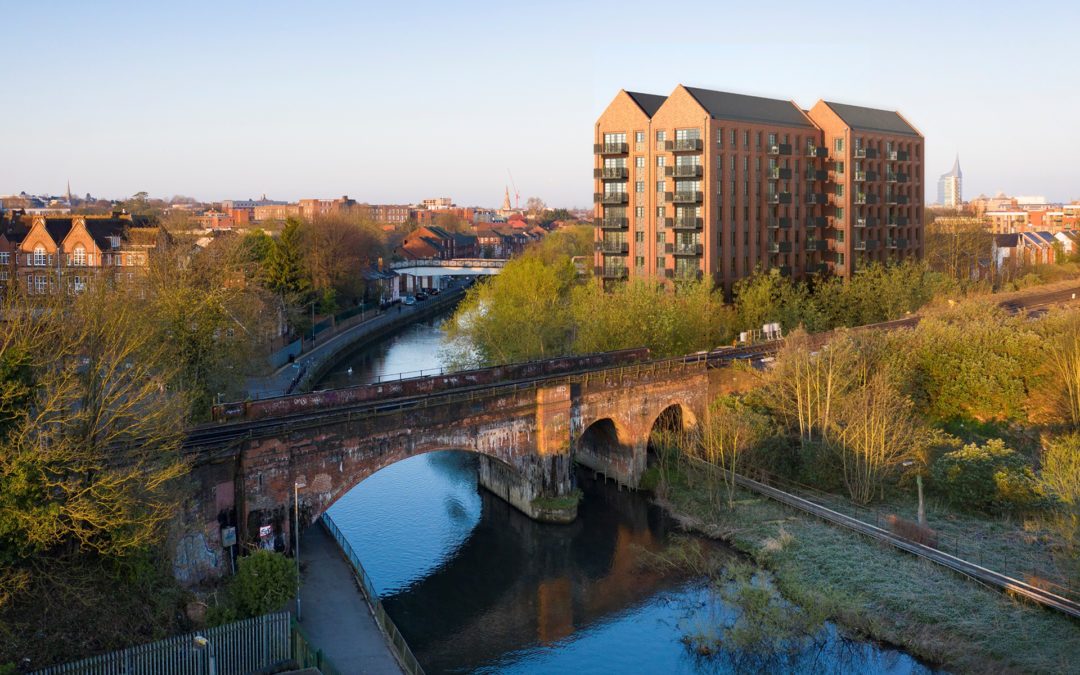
898, 156
817, 198
865, 198
815, 151
779, 223
865, 153
871, 176
902, 178
866, 222
780, 247
903, 200
778, 173
779, 198
611, 198
688, 197
897, 221
860, 198
860, 176
610, 148
783, 270
685, 274
780, 149
817, 245
614, 272
611, 173
614, 223
890, 177
818, 268
816, 174
613, 247
683, 145
687, 249
687, 223
683, 171
817, 221
866, 245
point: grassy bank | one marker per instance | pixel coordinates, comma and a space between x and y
880, 592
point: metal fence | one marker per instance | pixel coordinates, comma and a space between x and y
233, 649
401, 649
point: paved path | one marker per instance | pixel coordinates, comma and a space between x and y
278, 382
335, 615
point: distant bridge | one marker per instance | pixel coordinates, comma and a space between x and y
456, 267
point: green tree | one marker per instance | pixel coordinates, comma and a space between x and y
521, 314
264, 582
285, 271
989, 477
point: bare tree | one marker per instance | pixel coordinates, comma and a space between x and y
1063, 350
725, 435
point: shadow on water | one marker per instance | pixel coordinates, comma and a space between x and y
475, 586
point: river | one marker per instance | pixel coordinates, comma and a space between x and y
476, 587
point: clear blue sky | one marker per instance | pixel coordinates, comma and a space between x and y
398, 101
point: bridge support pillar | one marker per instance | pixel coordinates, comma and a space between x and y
542, 487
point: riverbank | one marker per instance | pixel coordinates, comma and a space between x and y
301, 375
879, 592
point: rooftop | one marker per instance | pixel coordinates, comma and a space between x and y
725, 105
873, 119
649, 103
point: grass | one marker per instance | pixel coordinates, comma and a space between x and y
558, 503
880, 592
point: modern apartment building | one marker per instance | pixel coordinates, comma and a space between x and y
951, 187
704, 182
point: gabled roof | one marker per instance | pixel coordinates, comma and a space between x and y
872, 119
728, 106
58, 228
1006, 240
1040, 238
649, 103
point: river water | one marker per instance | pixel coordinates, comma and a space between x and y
476, 587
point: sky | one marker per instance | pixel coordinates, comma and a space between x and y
394, 102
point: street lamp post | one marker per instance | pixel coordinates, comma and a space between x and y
296, 538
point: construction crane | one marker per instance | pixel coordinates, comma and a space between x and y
517, 195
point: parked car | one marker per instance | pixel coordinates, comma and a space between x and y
435, 291
421, 296
409, 300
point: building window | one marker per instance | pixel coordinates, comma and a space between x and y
732, 138
639, 162
746, 139
639, 186
639, 136
5, 258
39, 284
840, 190
639, 211
840, 214
660, 161
78, 256
687, 134
838, 145
609, 139
661, 136
720, 137
659, 186
79, 284
39, 256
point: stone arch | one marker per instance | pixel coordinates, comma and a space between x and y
673, 416
606, 446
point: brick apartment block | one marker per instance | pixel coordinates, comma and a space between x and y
704, 182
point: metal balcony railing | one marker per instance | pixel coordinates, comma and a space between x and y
782, 223
611, 173
611, 197
780, 149
687, 223
780, 247
683, 171
610, 148
683, 145
779, 198
687, 249
614, 223
778, 173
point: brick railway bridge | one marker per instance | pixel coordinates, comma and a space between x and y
528, 423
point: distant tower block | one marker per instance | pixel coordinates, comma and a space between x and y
950, 187
506, 200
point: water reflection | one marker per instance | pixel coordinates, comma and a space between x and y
475, 586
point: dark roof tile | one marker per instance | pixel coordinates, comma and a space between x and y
728, 106
872, 119
649, 103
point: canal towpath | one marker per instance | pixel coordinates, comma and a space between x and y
306, 368
335, 615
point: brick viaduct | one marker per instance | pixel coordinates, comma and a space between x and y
528, 432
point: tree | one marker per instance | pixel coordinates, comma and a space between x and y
956, 246
451, 222
535, 208
521, 314
725, 435
988, 477
90, 462
876, 432
1063, 350
285, 274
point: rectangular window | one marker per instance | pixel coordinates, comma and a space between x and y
661, 136
659, 186
639, 237
660, 213
840, 190
838, 145
746, 139
720, 137
639, 186
660, 161
611, 139
5, 258
687, 134
639, 136
639, 211
639, 162
840, 213
840, 259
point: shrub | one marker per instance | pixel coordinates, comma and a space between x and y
989, 477
264, 582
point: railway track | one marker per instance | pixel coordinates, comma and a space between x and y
968, 569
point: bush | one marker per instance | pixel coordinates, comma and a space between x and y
989, 477
264, 582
